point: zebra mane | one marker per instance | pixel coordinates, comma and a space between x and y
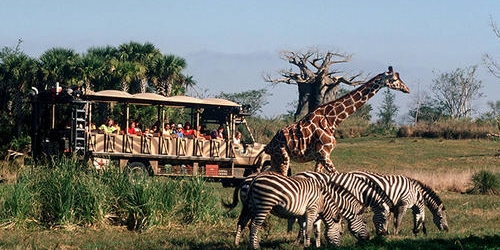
428, 193
341, 188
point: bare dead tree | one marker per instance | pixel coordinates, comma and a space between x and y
457, 90
316, 79
492, 65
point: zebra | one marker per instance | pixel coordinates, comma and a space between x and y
406, 193
350, 208
368, 193
286, 197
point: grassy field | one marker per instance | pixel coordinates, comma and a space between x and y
447, 165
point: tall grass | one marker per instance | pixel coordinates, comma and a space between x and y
65, 193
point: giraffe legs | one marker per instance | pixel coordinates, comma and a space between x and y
323, 161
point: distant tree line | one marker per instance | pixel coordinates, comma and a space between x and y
132, 67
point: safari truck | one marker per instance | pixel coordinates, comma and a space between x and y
63, 124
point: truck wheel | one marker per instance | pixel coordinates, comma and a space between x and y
137, 170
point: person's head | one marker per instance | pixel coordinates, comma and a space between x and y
146, 130
109, 122
155, 127
179, 127
238, 135
220, 129
187, 125
167, 126
132, 124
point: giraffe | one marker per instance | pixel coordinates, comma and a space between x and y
312, 137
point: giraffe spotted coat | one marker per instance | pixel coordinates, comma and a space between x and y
312, 137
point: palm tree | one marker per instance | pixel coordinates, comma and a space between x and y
60, 65
127, 72
165, 71
187, 82
19, 72
142, 55
109, 56
92, 69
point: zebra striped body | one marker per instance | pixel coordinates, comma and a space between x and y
349, 206
407, 193
369, 194
288, 198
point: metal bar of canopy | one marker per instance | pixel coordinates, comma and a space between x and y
127, 117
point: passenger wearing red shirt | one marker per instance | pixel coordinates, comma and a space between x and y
187, 129
131, 129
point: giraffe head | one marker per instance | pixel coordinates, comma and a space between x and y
391, 80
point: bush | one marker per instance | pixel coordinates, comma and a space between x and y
449, 129
485, 182
353, 127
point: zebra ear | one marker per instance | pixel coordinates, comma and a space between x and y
443, 208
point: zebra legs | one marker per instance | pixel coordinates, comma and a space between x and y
245, 216
257, 221
418, 218
399, 212
302, 225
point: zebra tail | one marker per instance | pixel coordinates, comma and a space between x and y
230, 206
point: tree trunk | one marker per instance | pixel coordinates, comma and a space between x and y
303, 104
125, 87
18, 104
144, 83
311, 95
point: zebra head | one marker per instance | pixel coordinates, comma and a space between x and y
359, 228
439, 218
334, 231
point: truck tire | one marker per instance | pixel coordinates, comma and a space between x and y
137, 170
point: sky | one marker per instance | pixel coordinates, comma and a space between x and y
229, 45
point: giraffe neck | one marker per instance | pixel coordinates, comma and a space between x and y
338, 110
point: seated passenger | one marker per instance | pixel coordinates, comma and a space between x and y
131, 129
137, 127
156, 127
187, 129
237, 138
166, 130
147, 132
219, 133
107, 128
179, 133
117, 128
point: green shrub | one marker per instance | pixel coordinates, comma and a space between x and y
198, 201
68, 193
485, 182
16, 202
